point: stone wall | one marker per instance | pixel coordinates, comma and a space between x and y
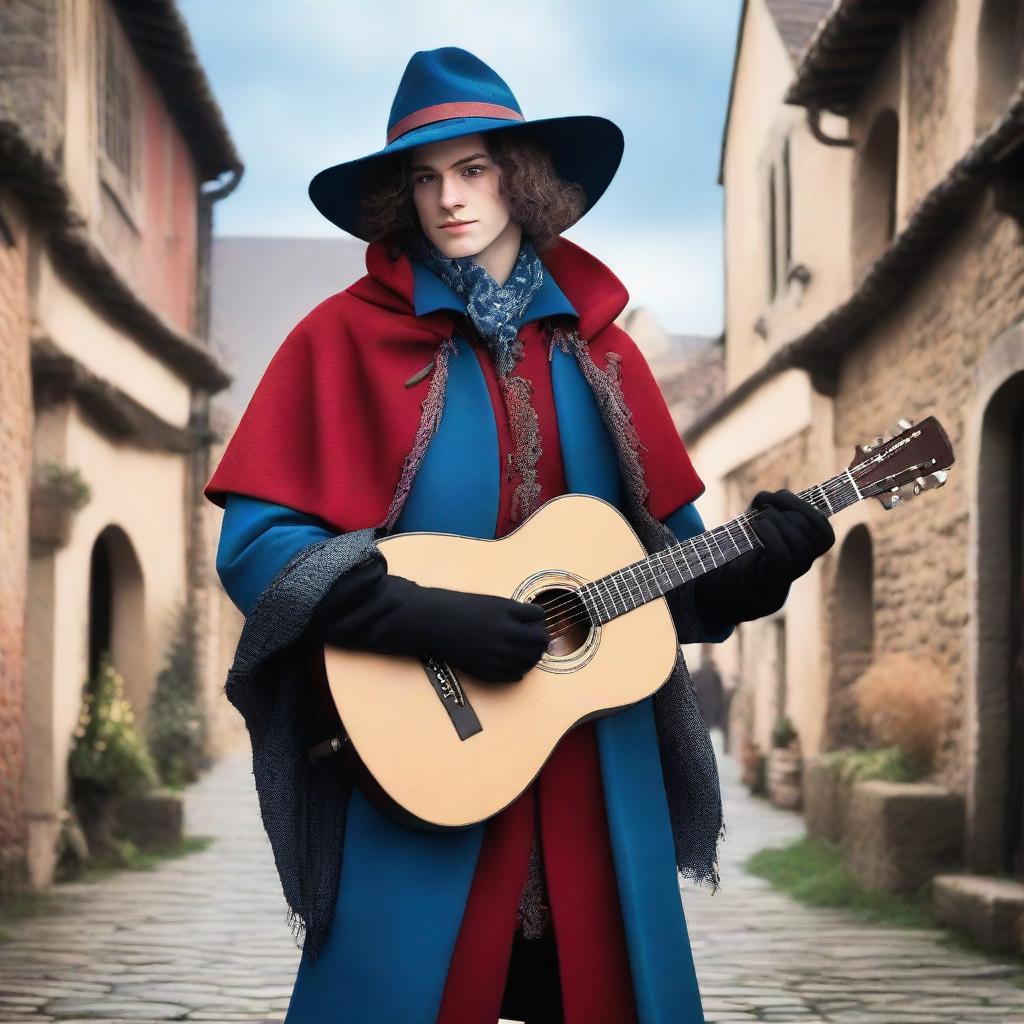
918, 361
15, 469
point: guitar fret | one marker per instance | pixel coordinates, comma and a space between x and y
697, 553
746, 534
711, 554
665, 570
615, 580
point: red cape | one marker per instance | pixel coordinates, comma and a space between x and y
332, 420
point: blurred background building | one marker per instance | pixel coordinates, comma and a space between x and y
873, 172
872, 161
112, 155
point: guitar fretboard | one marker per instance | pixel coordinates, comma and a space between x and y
652, 577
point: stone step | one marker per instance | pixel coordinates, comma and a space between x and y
986, 907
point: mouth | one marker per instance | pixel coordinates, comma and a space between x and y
458, 225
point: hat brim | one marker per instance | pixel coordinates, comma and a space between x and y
584, 148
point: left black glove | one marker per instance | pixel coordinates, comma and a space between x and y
794, 533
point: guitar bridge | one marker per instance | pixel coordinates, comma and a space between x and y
453, 697
448, 686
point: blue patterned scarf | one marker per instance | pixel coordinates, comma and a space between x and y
497, 311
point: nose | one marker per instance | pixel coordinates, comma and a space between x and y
451, 193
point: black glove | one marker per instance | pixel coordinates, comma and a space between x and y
794, 534
493, 638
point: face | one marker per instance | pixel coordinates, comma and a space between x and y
456, 180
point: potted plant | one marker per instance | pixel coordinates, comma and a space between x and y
901, 828
752, 761
109, 759
57, 493
784, 762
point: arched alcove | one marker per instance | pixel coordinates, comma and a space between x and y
876, 176
997, 818
117, 612
853, 632
1000, 60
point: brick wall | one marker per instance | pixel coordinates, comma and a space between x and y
15, 459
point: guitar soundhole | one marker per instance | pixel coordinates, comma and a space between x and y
567, 619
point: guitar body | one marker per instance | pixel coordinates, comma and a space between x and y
445, 750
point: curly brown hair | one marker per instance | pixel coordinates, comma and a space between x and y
542, 203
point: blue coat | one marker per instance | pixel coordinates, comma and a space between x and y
402, 891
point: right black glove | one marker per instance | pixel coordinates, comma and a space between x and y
493, 638
793, 534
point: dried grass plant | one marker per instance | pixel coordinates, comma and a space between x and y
906, 701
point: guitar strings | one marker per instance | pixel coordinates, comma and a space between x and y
563, 622
663, 557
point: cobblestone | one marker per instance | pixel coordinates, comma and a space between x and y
204, 938
762, 956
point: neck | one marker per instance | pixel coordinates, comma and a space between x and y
499, 257
654, 576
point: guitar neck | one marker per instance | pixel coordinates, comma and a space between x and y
654, 576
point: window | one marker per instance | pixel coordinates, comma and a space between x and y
773, 247
116, 109
780, 226
787, 209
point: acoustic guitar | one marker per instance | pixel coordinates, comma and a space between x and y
437, 748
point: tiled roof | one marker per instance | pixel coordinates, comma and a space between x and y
796, 21
691, 377
845, 50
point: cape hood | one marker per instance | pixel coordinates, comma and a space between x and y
337, 411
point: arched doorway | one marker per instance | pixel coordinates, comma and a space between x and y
117, 613
997, 820
853, 634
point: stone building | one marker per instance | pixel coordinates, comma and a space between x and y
113, 153
873, 165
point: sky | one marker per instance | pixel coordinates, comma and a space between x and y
310, 83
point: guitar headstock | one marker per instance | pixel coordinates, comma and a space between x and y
909, 459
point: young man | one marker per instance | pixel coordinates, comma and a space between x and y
471, 375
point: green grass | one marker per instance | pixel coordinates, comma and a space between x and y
813, 872
35, 904
131, 858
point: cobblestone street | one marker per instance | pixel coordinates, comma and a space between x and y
203, 938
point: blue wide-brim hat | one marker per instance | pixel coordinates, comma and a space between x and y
449, 92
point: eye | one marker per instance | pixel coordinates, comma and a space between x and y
419, 179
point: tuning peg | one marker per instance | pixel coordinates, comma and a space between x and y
899, 426
873, 444
929, 482
890, 499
